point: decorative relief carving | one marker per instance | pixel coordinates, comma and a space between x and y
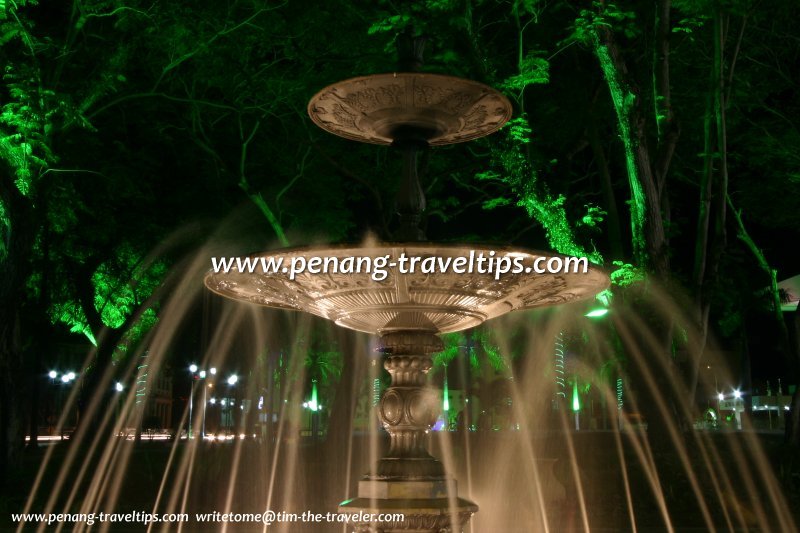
343, 116
371, 108
433, 303
475, 118
371, 98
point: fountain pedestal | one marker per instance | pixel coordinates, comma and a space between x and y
408, 480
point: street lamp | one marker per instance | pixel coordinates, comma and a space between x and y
737, 394
229, 415
199, 374
65, 379
192, 369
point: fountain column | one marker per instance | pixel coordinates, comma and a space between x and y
408, 480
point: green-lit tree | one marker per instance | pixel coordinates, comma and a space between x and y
124, 120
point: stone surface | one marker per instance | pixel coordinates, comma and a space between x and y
375, 488
381, 108
422, 515
438, 302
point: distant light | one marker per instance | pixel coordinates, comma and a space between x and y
52, 374
192, 368
213, 371
305, 404
65, 378
720, 396
118, 386
233, 379
737, 394
222, 403
213, 401
241, 436
202, 374
71, 376
597, 313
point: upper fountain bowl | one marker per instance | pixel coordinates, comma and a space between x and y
382, 108
436, 302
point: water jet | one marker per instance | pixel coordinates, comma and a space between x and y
407, 309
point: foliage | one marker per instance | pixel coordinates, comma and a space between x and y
121, 123
533, 69
512, 168
324, 365
603, 14
626, 274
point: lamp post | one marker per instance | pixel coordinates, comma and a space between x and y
60, 379
199, 374
232, 380
737, 395
192, 369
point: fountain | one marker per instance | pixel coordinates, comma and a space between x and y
538, 472
408, 307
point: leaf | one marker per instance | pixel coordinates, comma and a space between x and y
494, 203
389, 24
594, 215
532, 70
519, 130
626, 274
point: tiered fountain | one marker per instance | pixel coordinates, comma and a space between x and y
411, 111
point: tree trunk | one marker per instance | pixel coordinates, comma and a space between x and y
15, 270
614, 226
646, 179
713, 192
649, 240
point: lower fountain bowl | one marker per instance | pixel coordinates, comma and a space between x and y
408, 287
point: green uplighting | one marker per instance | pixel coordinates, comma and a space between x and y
446, 394
313, 404
624, 101
576, 399
597, 313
